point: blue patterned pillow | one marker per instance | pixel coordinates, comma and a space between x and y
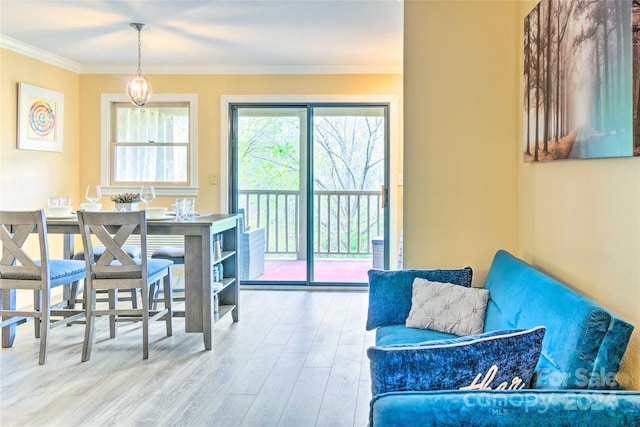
504, 359
390, 292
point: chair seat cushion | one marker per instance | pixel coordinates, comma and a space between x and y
133, 251
61, 272
154, 266
171, 253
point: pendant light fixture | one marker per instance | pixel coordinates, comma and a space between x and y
139, 89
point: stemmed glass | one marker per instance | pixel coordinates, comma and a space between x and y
93, 193
147, 194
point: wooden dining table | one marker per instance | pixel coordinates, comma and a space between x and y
198, 233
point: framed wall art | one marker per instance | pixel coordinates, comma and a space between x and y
40, 118
578, 77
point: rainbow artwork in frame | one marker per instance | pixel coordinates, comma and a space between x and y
40, 118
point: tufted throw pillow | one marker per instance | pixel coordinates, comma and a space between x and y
496, 360
446, 307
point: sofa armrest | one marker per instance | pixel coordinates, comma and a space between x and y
506, 408
390, 292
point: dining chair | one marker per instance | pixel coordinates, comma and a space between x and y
134, 252
115, 269
19, 271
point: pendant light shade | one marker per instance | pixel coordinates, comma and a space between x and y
139, 88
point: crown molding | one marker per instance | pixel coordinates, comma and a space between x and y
149, 69
39, 54
59, 61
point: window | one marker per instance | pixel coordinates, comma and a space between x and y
154, 145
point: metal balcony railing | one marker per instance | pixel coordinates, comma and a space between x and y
344, 222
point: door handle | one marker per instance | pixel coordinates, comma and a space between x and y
383, 198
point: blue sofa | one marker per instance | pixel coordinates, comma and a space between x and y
575, 377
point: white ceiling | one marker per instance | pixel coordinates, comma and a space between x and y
208, 36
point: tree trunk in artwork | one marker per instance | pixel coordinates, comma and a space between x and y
535, 150
527, 71
548, 68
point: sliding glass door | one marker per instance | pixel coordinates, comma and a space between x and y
348, 178
310, 182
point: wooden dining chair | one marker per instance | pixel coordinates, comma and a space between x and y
18, 270
134, 252
116, 270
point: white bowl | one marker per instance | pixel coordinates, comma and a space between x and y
156, 213
59, 210
90, 207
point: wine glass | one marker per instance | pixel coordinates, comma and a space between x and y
93, 193
147, 194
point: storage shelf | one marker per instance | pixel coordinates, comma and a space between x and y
222, 311
225, 255
225, 283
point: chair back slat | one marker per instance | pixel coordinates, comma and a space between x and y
112, 229
15, 228
12, 244
113, 244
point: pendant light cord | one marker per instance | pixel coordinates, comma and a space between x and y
139, 53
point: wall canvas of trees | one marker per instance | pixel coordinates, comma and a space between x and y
578, 74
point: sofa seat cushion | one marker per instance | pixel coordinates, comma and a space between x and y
495, 408
400, 334
493, 360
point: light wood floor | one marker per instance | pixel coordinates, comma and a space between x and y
296, 358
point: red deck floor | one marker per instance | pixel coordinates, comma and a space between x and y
325, 270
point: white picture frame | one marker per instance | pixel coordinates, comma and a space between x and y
40, 118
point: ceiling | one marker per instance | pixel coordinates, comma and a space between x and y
209, 36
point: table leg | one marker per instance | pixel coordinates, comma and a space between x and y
67, 253
198, 260
8, 303
67, 246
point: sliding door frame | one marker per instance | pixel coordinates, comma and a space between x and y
392, 150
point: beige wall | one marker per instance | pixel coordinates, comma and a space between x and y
467, 191
461, 130
42, 174
209, 89
28, 178
580, 221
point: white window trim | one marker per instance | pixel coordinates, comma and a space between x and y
105, 141
395, 177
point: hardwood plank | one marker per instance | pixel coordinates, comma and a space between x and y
306, 398
296, 358
269, 404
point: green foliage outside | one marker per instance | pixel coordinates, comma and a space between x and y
348, 155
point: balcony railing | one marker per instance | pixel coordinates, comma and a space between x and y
344, 222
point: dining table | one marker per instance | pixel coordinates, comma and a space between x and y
199, 233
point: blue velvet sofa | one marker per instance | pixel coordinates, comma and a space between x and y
575, 377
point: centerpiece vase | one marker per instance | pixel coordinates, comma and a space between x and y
131, 207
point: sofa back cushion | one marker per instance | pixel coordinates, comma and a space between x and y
576, 344
397, 286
